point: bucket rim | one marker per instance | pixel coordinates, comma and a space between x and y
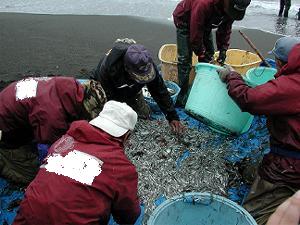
208, 196
247, 78
260, 68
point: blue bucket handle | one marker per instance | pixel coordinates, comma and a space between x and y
198, 200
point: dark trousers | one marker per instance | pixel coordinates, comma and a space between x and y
264, 198
19, 165
184, 54
285, 6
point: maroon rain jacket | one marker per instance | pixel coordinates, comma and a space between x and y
279, 100
203, 15
40, 108
85, 178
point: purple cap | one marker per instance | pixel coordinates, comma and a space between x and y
138, 63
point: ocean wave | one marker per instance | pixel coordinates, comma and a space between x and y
128, 7
268, 8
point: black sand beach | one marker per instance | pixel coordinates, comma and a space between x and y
71, 44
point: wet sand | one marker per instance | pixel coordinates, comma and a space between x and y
71, 44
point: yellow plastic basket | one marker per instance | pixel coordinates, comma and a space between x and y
241, 60
168, 56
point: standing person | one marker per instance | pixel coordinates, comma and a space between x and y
40, 110
86, 175
128, 67
279, 99
284, 5
194, 21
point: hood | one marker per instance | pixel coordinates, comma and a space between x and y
82, 131
293, 64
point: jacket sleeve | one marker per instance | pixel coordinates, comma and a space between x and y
160, 94
223, 35
126, 206
275, 97
197, 25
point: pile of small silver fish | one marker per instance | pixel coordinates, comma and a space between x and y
156, 153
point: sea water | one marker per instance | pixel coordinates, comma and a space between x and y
261, 14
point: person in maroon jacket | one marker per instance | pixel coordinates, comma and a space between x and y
40, 109
86, 175
279, 99
194, 21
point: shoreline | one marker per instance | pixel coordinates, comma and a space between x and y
71, 44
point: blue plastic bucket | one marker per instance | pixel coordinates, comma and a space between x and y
259, 75
270, 61
200, 208
169, 84
209, 102
82, 81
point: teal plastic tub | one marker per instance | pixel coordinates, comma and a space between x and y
200, 208
259, 75
210, 103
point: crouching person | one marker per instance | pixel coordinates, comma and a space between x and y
125, 70
86, 175
40, 110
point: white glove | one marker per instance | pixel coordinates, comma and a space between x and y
224, 72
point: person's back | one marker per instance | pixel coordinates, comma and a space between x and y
39, 108
85, 178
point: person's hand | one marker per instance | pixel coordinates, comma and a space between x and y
222, 57
177, 127
224, 72
288, 213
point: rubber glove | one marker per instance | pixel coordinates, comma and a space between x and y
224, 72
222, 57
177, 127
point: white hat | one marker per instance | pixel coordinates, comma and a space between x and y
116, 118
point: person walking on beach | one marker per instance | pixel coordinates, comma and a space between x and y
279, 99
125, 70
86, 176
284, 5
194, 21
40, 110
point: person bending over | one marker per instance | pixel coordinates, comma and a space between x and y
128, 67
86, 176
39, 110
